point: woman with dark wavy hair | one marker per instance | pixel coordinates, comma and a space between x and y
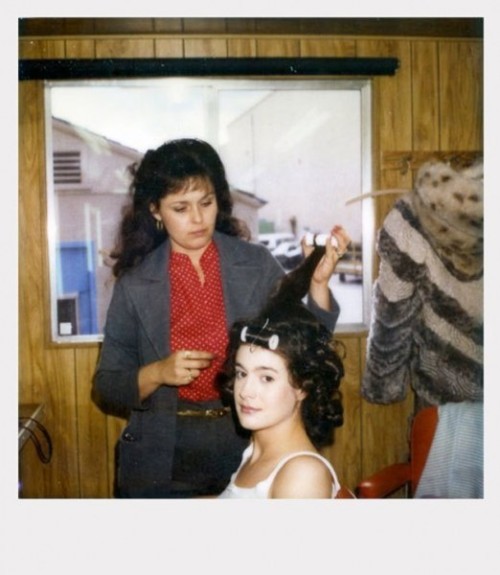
161, 172
283, 375
185, 273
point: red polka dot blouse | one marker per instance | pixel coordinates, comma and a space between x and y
198, 318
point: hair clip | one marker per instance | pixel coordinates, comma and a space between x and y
271, 341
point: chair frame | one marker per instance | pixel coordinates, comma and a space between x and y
394, 477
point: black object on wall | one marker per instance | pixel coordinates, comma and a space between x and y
69, 69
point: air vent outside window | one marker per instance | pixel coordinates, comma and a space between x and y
67, 168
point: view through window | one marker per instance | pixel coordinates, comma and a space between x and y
295, 152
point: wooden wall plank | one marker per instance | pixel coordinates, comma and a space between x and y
277, 47
392, 93
205, 48
124, 48
169, 48
32, 300
327, 47
380, 27
168, 25
345, 454
92, 429
63, 473
384, 434
31, 353
392, 100
80, 48
206, 26
461, 95
41, 49
123, 26
46, 374
242, 26
425, 96
241, 48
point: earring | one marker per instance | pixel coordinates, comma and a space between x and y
159, 225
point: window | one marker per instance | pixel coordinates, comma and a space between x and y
295, 151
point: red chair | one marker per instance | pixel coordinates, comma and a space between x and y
398, 475
345, 493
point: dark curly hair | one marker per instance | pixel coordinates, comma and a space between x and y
163, 171
313, 363
307, 346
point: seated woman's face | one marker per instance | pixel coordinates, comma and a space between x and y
263, 394
189, 215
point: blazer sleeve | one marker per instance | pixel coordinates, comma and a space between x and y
329, 317
115, 387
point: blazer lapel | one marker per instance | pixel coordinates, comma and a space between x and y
152, 299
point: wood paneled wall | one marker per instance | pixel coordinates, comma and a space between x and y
433, 103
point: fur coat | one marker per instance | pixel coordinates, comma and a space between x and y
427, 319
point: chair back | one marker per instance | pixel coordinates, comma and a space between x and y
395, 476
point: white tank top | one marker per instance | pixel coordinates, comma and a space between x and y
261, 490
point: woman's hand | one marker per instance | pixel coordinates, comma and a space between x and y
182, 367
326, 266
178, 369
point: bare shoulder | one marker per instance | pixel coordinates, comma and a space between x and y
302, 477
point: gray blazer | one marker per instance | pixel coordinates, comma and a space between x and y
137, 333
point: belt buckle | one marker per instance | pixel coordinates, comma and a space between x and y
216, 412
211, 413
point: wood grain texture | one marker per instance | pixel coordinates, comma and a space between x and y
124, 48
384, 434
461, 95
393, 93
327, 47
425, 96
381, 27
92, 429
205, 48
277, 47
169, 48
80, 49
241, 48
31, 235
41, 49
345, 453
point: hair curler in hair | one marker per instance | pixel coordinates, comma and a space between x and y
270, 341
320, 239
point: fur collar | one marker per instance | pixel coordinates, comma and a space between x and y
449, 204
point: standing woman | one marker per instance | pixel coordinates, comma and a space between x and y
184, 275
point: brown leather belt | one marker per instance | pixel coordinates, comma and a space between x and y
211, 413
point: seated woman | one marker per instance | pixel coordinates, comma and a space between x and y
283, 375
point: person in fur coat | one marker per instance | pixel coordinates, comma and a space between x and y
427, 319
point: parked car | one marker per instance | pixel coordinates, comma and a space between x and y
351, 264
274, 239
289, 254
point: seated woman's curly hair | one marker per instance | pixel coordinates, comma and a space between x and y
314, 366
